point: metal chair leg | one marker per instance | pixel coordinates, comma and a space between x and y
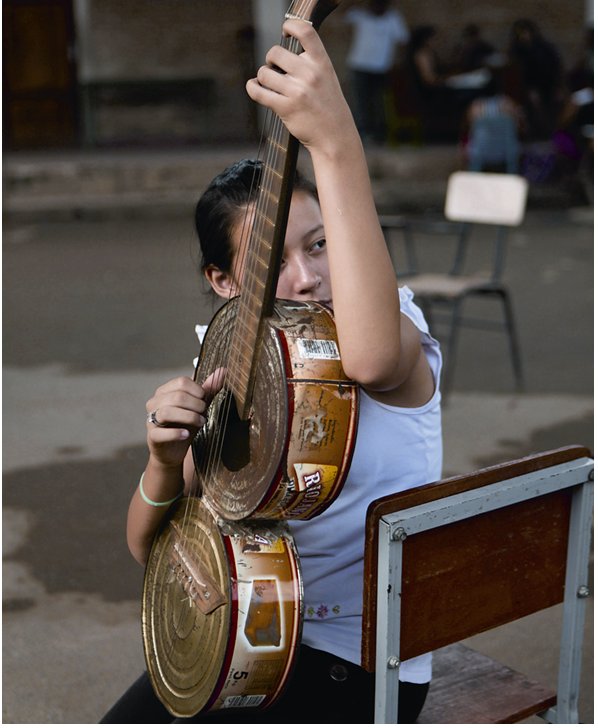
513, 341
451, 349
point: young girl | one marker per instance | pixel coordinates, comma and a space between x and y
335, 254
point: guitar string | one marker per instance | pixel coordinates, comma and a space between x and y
232, 378
273, 142
257, 243
268, 172
267, 175
269, 166
220, 354
265, 183
189, 531
214, 450
250, 276
217, 359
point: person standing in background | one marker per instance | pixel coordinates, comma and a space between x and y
378, 29
540, 68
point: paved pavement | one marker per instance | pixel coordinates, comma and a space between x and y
98, 311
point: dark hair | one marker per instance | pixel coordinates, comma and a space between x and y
379, 7
420, 35
524, 27
219, 207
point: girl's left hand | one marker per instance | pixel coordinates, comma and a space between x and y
303, 90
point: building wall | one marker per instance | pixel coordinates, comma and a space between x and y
169, 40
154, 42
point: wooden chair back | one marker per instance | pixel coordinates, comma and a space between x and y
465, 576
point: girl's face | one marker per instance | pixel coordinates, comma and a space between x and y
304, 274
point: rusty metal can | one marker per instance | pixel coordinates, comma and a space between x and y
222, 611
300, 435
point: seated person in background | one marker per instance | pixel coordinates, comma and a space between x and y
423, 61
494, 124
575, 125
472, 52
442, 98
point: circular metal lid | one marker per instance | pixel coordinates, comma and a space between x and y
186, 609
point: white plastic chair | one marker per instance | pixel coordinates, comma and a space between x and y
472, 199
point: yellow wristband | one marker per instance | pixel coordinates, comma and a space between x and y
156, 504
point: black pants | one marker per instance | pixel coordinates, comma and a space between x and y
370, 113
323, 689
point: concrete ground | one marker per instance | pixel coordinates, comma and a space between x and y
99, 309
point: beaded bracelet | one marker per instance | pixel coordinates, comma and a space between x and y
156, 504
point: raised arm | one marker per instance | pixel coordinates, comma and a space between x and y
379, 347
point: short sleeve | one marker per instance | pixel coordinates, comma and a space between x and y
430, 345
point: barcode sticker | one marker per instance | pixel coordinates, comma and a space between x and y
243, 701
318, 349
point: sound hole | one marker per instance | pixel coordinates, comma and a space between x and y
235, 435
237, 461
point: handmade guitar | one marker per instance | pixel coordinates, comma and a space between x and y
222, 603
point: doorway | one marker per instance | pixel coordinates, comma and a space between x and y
39, 74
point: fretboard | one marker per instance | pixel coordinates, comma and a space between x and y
266, 242
261, 264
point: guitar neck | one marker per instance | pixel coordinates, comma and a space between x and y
266, 241
261, 264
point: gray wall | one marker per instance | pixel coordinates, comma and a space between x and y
149, 40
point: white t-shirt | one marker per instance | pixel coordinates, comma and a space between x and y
374, 39
396, 448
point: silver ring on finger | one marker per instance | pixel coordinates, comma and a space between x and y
153, 420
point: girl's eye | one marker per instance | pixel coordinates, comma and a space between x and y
319, 244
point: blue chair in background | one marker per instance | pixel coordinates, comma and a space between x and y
494, 143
